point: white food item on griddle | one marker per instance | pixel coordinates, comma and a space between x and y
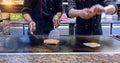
51, 41
92, 44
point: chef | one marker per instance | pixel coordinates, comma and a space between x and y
88, 14
42, 15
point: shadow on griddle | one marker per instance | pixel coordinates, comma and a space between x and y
36, 41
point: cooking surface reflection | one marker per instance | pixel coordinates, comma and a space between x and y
26, 44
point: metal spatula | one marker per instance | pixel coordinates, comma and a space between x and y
33, 35
54, 34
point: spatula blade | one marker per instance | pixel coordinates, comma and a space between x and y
54, 34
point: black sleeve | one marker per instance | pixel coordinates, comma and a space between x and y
27, 6
58, 6
107, 2
71, 4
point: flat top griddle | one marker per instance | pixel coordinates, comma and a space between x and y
30, 44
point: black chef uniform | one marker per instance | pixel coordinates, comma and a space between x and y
42, 12
91, 26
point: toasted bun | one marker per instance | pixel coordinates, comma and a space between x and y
51, 41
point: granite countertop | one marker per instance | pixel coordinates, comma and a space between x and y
60, 58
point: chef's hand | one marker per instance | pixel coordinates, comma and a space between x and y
32, 26
56, 21
85, 13
97, 9
92, 11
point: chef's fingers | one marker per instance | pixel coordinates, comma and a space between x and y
32, 26
56, 23
99, 8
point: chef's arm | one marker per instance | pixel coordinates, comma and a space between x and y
26, 14
110, 9
58, 9
57, 13
32, 24
27, 17
74, 13
109, 6
27, 8
71, 10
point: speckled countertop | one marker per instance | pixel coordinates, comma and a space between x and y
61, 58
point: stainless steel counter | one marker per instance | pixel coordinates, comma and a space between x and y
72, 22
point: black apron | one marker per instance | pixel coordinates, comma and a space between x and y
42, 15
91, 26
